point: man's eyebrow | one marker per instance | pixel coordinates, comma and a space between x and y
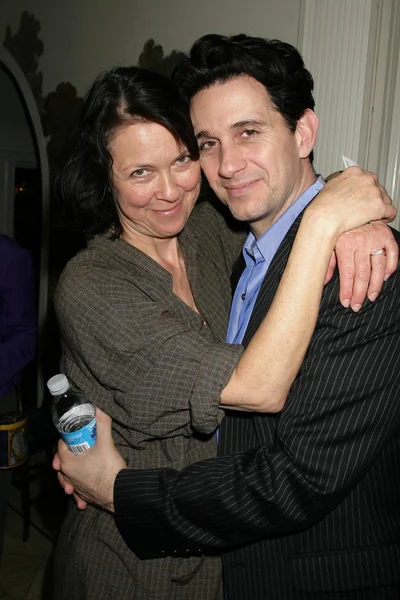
238, 125
246, 122
203, 133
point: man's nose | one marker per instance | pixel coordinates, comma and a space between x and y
231, 161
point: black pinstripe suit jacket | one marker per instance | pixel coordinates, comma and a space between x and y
305, 504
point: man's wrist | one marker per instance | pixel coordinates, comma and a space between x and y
106, 487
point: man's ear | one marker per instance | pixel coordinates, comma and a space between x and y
306, 132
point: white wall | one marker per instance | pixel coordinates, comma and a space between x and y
352, 48
81, 38
338, 49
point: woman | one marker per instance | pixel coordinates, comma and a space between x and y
143, 314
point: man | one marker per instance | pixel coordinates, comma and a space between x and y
305, 503
17, 337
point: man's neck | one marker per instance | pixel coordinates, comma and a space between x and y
258, 228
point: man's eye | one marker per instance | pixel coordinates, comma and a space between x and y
204, 146
249, 132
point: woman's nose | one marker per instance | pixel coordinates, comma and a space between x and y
167, 189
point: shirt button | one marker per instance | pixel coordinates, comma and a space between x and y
243, 296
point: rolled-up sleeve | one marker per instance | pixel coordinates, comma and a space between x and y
214, 373
157, 366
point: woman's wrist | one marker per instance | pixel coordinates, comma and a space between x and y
321, 225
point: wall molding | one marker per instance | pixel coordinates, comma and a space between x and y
334, 38
352, 48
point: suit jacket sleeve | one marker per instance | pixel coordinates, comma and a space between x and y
342, 409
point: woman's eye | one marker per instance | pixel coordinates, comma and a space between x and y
139, 173
185, 158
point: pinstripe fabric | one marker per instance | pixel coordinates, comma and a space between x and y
318, 485
150, 362
354, 550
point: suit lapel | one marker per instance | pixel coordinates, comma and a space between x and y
271, 281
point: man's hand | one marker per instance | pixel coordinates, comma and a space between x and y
91, 476
361, 274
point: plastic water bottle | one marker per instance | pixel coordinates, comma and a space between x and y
73, 415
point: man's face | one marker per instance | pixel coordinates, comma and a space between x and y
253, 162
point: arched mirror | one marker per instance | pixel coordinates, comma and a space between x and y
24, 189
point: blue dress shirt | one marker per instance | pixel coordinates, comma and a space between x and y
258, 254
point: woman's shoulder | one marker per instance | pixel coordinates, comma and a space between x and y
111, 269
215, 229
89, 268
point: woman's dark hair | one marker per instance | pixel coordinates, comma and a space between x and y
278, 66
121, 96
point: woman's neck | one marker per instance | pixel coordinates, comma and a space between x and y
167, 253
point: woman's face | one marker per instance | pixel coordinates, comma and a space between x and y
156, 182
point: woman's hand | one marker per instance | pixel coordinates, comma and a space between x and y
350, 200
347, 205
90, 476
361, 273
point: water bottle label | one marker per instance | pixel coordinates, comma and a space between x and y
81, 440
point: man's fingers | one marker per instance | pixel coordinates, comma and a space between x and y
66, 486
103, 425
81, 504
62, 449
69, 490
56, 462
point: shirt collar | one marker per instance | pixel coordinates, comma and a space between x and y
269, 242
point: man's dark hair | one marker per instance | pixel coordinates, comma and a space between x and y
278, 66
121, 96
